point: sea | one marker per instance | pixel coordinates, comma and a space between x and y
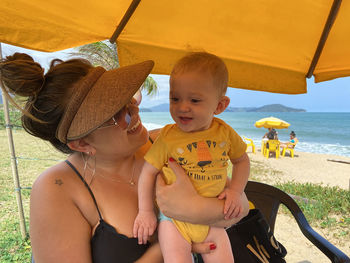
325, 133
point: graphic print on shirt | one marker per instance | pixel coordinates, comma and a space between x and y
201, 156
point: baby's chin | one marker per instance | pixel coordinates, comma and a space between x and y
187, 128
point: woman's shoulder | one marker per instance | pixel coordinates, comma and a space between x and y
54, 183
60, 192
57, 170
55, 206
153, 134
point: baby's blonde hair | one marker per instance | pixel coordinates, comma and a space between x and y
204, 62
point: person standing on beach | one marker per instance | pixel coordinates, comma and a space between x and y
82, 210
203, 145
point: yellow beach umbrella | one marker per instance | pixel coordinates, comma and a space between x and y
272, 122
268, 45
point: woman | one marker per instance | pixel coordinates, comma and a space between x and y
292, 141
83, 209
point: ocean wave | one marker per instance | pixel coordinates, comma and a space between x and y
336, 149
308, 141
152, 126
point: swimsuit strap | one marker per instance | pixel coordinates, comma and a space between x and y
87, 186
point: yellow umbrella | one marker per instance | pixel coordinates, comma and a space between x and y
272, 122
268, 45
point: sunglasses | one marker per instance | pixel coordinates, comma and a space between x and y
121, 119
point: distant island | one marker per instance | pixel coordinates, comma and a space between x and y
266, 108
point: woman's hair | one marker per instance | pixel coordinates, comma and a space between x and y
46, 94
207, 63
292, 133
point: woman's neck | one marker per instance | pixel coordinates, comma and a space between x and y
117, 167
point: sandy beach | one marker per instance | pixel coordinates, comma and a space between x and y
304, 167
309, 167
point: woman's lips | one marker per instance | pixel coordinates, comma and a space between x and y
135, 127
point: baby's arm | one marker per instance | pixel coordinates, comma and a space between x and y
232, 193
146, 221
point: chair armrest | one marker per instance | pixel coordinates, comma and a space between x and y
291, 144
264, 194
331, 251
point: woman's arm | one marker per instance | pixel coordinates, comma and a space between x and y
154, 254
58, 231
181, 201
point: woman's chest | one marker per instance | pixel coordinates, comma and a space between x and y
117, 203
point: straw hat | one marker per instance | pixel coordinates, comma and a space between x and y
98, 96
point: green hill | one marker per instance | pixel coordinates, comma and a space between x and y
277, 108
266, 108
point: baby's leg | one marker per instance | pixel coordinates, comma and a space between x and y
223, 251
174, 247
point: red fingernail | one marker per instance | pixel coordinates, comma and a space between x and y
212, 246
171, 159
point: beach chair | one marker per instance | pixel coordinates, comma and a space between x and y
263, 146
268, 198
273, 146
289, 147
249, 142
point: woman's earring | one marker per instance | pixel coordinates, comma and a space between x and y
87, 167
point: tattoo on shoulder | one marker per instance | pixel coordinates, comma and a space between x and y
59, 182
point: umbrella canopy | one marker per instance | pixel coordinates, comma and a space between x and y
272, 122
268, 45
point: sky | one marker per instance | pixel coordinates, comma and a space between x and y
328, 96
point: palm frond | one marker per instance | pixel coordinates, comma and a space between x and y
105, 54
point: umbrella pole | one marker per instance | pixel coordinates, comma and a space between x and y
124, 20
15, 176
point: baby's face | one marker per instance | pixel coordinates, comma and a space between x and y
193, 100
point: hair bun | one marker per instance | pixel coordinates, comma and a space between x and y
22, 75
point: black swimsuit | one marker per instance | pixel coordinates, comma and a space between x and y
107, 245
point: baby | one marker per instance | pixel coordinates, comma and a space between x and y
202, 144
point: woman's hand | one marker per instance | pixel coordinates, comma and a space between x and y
203, 248
178, 198
181, 201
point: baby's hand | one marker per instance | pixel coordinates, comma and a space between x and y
144, 225
233, 204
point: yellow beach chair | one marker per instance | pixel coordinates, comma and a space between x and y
289, 147
263, 146
249, 142
274, 146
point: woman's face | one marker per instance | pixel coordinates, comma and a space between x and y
123, 135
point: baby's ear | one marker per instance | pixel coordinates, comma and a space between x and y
222, 105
